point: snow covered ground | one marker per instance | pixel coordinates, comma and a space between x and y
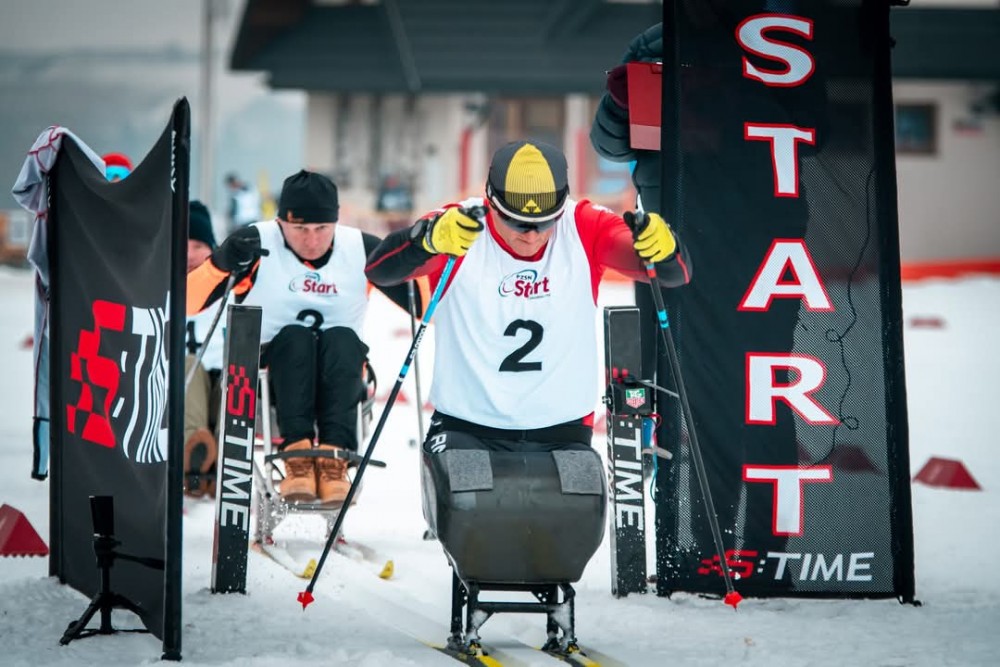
952, 393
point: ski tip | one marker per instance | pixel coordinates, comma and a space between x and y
305, 599
733, 599
310, 570
387, 570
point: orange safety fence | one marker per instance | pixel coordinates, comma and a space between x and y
912, 271
956, 268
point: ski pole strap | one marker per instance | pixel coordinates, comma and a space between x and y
661, 314
636, 223
439, 289
653, 385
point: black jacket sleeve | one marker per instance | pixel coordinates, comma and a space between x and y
398, 292
677, 269
609, 133
397, 258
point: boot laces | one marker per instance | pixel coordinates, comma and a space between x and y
332, 470
298, 467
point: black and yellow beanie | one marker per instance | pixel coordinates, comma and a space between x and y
528, 181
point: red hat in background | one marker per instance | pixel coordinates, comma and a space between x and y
117, 166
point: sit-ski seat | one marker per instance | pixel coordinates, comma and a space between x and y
516, 517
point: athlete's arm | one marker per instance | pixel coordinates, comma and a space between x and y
398, 293
608, 241
207, 283
399, 258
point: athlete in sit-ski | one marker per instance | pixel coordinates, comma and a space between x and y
311, 286
516, 347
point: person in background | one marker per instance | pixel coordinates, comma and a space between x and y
312, 289
116, 166
244, 202
202, 395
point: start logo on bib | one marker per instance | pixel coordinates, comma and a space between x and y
312, 283
525, 284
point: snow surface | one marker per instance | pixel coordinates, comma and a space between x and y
952, 391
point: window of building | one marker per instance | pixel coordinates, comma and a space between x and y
530, 118
916, 129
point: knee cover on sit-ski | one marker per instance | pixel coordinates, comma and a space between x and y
516, 517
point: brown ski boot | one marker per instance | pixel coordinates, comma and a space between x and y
332, 479
200, 453
299, 485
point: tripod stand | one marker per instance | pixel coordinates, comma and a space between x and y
102, 511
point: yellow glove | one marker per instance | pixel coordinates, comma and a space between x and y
653, 239
451, 233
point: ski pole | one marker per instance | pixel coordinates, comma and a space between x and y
411, 292
732, 597
305, 597
211, 329
230, 282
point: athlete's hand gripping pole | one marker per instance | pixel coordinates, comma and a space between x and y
211, 330
638, 227
453, 232
215, 322
305, 598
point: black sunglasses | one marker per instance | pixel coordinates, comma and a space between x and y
525, 227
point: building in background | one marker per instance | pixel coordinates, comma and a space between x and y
111, 71
405, 102
423, 92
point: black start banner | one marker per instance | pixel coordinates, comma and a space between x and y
118, 263
779, 174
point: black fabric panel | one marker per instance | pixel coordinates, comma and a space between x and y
721, 190
110, 245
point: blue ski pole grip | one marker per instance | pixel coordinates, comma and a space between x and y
648, 431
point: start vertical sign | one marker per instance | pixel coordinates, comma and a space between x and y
787, 270
777, 170
235, 467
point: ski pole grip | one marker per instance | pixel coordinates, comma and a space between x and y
477, 213
635, 222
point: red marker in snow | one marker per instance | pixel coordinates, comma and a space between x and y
306, 599
732, 599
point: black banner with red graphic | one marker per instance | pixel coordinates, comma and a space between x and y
779, 173
118, 262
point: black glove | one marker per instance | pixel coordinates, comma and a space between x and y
239, 251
